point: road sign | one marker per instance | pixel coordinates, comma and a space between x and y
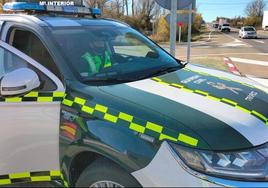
180, 24
180, 18
174, 6
181, 4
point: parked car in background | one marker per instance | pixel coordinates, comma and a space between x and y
225, 28
265, 20
248, 32
215, 25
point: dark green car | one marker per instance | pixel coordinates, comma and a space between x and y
90, 102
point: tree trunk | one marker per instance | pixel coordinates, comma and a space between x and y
133, 11
127, 6
123, 7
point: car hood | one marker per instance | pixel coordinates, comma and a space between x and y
226, 111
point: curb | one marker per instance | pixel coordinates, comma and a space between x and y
232, 68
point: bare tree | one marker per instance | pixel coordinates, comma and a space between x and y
133, 9
96, 3
255, 8
148, 8
145, 11
126, 4
2, 2
123, 7
117, 8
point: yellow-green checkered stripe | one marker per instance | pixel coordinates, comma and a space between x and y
225, 79
24, 177
209, 96
36, 97
133, 123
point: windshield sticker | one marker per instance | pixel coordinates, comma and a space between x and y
222, 86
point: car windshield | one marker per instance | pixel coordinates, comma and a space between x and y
111, 53
249, 29
227, 25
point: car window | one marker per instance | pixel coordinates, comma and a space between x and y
109, 52
28, 43
10, 62
130, 46
1, 23
249, 29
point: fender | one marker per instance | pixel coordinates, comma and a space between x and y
130, 150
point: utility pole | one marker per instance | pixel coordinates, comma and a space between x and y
189, 34
173, 27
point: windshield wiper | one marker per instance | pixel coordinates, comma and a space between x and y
158, 72
108, 80
185, 64
161, 71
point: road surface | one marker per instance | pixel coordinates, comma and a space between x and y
250, 56
261, 44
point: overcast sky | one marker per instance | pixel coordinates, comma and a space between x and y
213, 8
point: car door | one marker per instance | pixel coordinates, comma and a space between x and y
30, 98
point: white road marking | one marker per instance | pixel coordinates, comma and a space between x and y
210, 35
235, 42
259, 41
262, 54
249, 61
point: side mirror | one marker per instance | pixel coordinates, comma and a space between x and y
19, 81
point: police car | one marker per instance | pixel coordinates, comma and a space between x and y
90, 102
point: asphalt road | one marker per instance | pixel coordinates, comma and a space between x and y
260, 44
250, 55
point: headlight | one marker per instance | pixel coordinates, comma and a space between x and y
250, 165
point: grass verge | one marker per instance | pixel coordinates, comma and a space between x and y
211, 62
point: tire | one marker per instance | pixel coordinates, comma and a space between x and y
103, 170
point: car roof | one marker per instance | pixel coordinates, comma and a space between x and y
57, 21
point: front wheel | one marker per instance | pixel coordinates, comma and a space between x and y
104, 173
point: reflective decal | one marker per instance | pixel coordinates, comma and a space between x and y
27, 177
35, 97
222, 86
133, 123
215, 98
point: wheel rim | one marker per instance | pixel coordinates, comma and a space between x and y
101, 184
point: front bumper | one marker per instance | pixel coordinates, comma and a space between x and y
226, 29
250, 36
167, 170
